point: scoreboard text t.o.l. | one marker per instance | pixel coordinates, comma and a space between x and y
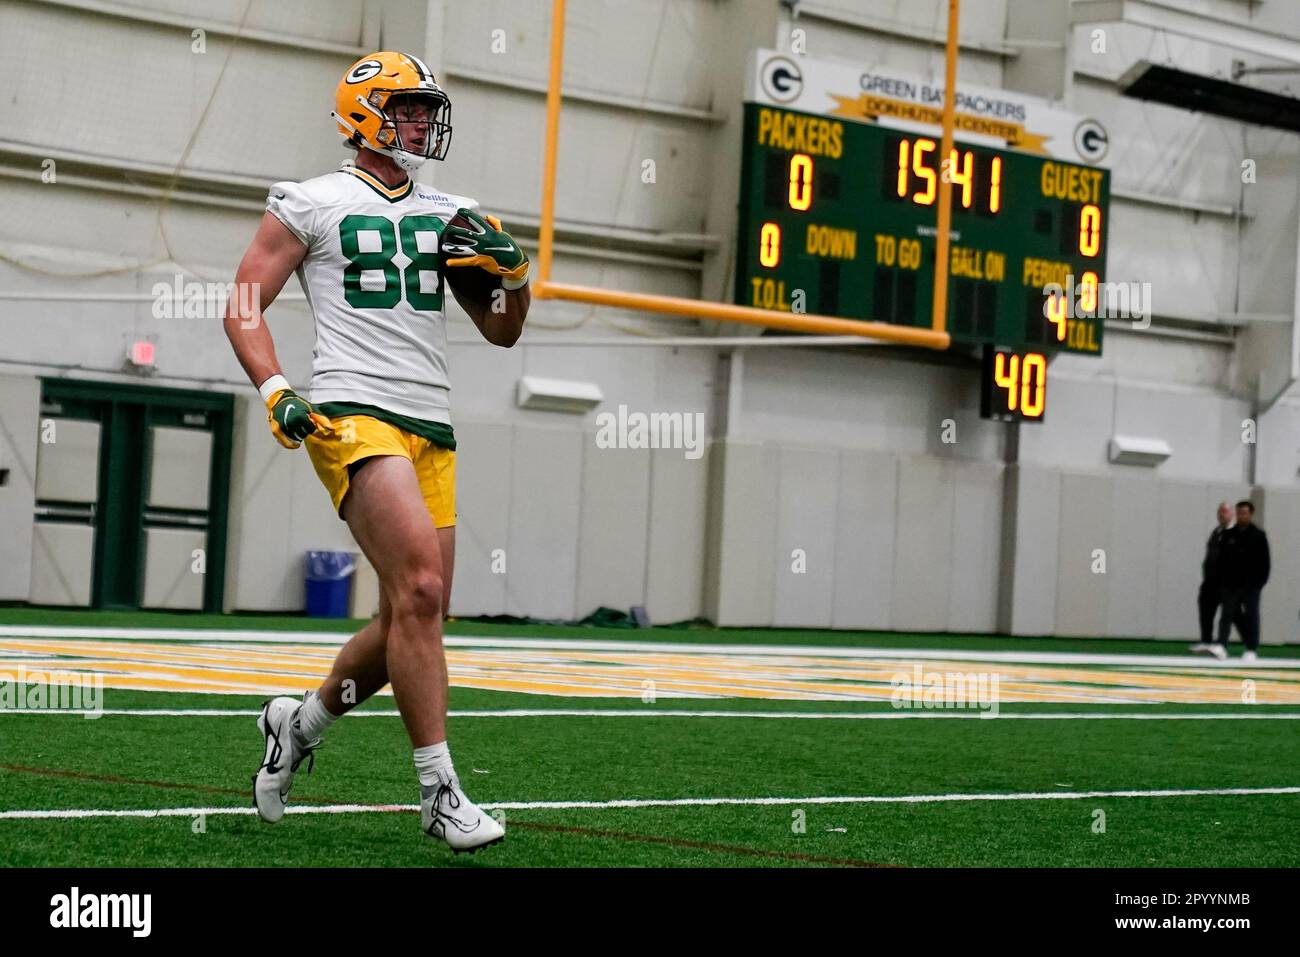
839, 192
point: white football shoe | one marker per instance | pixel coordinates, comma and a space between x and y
1218, 651
447, 814
284, 755
1201, 648
1249, 657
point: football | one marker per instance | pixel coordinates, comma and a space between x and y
460, 219
472, 282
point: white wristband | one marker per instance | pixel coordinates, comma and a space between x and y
271, 386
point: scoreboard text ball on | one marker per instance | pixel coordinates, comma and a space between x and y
839, 188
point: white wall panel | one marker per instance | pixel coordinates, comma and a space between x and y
1077, 426
641, 50
180, 465
923, 551
169, 578
20, 399
863, 401
545, 491
1028, 595
1131, 559
257, 544
1185, 525
67, 467
483, 512
807, 496
287, 132
336, 21
676, 548
278, 512
865, 540
1280, 601
63, 557
1204, 431
891, 45
1191, 271
742, 552
483, 377
981, 19
1268, 264
1082, 593
613, 527
1278, 451
976, 547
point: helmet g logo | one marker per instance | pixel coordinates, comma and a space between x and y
364, 71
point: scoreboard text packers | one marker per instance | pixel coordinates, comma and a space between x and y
838, 211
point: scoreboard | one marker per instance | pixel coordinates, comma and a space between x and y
837, 217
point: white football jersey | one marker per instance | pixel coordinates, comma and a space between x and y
372, 282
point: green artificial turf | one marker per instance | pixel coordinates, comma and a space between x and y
65, 761
136, 761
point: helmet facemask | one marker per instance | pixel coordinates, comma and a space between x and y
437, 139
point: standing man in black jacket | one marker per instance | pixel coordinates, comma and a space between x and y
1244, 562
1211, 593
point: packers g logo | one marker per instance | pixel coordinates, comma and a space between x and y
364, 71
781, 79
1091, 141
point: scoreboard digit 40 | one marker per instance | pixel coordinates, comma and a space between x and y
838, 209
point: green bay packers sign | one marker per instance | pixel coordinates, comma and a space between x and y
839, 186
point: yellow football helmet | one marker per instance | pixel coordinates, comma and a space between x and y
361, 107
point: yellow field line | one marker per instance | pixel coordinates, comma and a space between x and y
622, 674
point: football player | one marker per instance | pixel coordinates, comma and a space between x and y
374, 252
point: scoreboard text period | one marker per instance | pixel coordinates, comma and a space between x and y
837, 217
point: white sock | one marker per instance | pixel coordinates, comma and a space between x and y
312, 719
433, 764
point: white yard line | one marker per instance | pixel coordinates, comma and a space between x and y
968, 713
81, 813
580, 644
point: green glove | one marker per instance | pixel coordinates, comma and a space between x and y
472, 239
293, 419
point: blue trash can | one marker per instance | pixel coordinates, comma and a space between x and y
329, 583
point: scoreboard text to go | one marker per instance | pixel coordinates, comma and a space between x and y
838, 218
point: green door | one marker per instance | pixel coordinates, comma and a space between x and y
135, 517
